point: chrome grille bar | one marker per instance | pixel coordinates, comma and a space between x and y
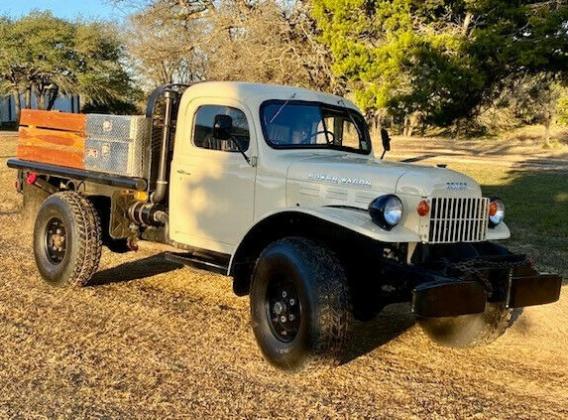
458, 220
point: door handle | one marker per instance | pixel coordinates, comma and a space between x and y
182, 172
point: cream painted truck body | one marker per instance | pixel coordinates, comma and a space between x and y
315, 231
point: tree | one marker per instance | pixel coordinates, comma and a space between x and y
46, 55
251, 42
186, 40
100, 66
13, 60
164, 50
535, 99
441, 60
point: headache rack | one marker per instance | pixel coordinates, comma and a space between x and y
456, 219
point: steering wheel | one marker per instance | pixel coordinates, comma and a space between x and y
326, 132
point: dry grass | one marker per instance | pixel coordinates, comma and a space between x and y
153, 339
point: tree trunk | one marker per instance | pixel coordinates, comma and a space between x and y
40, 96
466, 23
40, 101
17, 104
413, 121
457, 129
547, 123
52, 97
405, 126
28, 98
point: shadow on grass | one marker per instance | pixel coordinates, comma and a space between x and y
367, 336
421, 158
135, 270
9, 212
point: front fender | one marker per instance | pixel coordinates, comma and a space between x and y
359, 221
356, 220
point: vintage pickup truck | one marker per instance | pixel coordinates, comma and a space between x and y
278, 188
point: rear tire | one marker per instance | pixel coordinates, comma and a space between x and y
67, 239
302, 281
470, 330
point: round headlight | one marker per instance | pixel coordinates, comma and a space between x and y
386, 211
496, 212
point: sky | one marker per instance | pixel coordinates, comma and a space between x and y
68, 9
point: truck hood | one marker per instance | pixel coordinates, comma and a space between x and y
352, 180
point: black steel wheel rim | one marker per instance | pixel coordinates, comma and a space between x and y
55, 244
283, 309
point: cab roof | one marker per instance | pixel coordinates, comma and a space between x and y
254, 94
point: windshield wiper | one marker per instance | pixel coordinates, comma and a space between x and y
281, 108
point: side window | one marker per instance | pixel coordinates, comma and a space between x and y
350, 135
203, 128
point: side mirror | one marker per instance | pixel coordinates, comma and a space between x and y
386, 140
222, 127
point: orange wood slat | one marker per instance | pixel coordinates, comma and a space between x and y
56, 120
52, 146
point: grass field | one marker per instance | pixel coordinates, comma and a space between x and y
152, 339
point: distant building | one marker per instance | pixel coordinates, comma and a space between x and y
64, 103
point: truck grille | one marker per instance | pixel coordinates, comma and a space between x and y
458, 220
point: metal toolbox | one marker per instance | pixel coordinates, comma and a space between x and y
114, 157
116, 144
123, 127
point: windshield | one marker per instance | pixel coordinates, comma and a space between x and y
296, 124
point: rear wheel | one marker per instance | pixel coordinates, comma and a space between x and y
300, 305
470, 330
67, 239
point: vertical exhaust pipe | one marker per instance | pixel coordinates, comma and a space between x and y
162, 181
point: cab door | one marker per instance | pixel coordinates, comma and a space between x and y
212, 185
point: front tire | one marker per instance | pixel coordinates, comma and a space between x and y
470, 330
300, 305
67, 239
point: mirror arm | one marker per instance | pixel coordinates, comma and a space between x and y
241, 151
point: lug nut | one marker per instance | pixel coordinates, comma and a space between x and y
283, 318
284, 294
278, 308
292, 302
291, 317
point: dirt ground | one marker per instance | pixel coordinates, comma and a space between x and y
155, 339
524, 153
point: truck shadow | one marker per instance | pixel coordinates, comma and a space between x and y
367, 336
135, 270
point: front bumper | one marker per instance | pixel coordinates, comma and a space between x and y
465, 287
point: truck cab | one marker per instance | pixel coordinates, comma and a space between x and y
275, 127
280, 189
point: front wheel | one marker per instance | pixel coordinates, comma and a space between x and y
300, 305
470, 330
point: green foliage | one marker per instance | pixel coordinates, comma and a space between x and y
48, 55
439, 59
562, 110
115, 107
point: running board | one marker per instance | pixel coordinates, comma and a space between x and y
195, 262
